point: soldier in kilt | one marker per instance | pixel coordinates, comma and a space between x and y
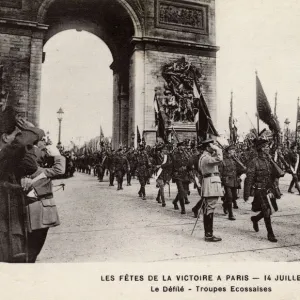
121, 166
143, 166
260, 177
164, 163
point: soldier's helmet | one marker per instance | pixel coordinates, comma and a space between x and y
260, 143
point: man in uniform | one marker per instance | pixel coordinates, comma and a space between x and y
292, 158
180, 175
164, 163
260, 176
209, 162
230, 172
121, 166
143, 165
131, 157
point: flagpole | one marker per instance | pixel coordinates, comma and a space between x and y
257, 117
275, 107
296, 131
231, 117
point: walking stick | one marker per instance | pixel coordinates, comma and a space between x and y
10, 250
25, 228
199, 212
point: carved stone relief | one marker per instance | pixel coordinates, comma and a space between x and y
182, 16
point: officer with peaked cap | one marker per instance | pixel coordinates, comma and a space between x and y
209, 162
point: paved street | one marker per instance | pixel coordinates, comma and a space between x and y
100, 224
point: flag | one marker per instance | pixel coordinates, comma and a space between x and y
138, 135
101, 134
298, 118
233, 130
264, 111
203, 121
161, 119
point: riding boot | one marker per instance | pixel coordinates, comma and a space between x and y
163, 201
140, 192
209, 237
119, 186
230, 212
271, 236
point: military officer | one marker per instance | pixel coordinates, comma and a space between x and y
209, 162
292, 158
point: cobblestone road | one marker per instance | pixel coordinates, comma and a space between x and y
101, 224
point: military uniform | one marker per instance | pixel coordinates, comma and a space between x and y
143, 165
260, 176
211, 187
292, 158
121, 166
181, 177
163, 159
230, 172
131, 157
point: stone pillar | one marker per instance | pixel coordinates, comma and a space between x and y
20, 54
120, 107
116, 111
36, 57
136, 92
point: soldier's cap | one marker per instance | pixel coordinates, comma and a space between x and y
180, 144
259, 143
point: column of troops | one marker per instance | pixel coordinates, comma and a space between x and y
214, 171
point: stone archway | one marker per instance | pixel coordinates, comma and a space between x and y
92, 16
143, 36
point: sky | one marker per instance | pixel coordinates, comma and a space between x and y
260, 35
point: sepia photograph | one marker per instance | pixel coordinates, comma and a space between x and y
151, 132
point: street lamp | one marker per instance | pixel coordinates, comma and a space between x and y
59, 117
287, 123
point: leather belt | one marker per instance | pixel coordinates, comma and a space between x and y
211, 175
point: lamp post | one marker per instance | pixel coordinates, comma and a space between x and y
59, 117
287, 123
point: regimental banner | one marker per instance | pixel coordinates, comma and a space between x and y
175, 15
11, 3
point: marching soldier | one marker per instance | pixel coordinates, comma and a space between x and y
230, 172
121, 166
211, 158
292, 158
143, 165
260, 176
164, 162
131, 157
181, 176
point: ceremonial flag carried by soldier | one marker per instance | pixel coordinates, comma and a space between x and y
297, 121
101, 134
139, 139
232, 123
203, 121
160, 119
264, 111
